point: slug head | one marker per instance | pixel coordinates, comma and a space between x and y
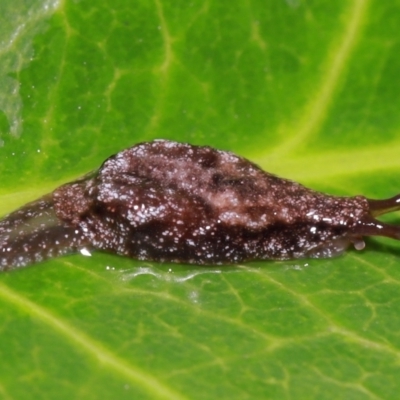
366, 225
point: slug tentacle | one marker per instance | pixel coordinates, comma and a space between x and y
34, 233
380, 207
369, 226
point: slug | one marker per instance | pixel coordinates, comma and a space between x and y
175, 202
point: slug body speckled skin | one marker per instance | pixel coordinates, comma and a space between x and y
168, 201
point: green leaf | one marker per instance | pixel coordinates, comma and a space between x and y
309, 90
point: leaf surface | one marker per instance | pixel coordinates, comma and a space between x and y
308, 90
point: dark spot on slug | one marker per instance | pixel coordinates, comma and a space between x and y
175, 202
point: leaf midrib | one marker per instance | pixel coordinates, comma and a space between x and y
319, 167
149, 383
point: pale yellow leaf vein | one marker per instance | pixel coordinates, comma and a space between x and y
167, 40
271, 341
48, 141
357, 387
333, 326
381, 271
331, 164
162, 70
153, 386
316, 111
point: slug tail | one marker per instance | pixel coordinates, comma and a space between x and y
34, 233
38, 246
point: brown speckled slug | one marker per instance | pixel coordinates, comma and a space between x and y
175, 202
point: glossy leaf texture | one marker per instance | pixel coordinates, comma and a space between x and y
307, 89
